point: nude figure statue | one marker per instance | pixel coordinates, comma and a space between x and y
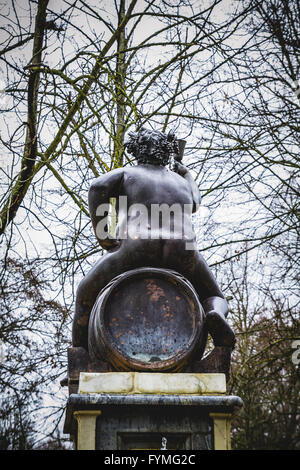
150, 183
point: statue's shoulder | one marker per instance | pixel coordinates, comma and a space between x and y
177, 177
112, 176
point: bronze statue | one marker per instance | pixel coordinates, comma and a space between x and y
150, 183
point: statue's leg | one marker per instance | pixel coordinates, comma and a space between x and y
192, 265
213, 302
109, 266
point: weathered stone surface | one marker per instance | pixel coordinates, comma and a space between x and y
157, 415
144, 428
180, 383
156, 383
107, 382
215, 403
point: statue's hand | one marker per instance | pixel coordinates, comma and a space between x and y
109, 243
180, 169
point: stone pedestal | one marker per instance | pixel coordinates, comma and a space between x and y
176, 411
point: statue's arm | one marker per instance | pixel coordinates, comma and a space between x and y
184, 172
101, 190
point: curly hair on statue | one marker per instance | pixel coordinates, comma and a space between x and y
149, 146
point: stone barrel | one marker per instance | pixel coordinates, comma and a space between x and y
147, 319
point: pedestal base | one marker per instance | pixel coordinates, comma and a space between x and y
150, 411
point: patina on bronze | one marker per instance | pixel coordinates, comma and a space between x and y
149, 182
146, 319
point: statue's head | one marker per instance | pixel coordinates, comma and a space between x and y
153, 147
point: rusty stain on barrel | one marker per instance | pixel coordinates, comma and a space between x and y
146, 319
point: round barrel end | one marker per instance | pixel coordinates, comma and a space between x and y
147, 319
